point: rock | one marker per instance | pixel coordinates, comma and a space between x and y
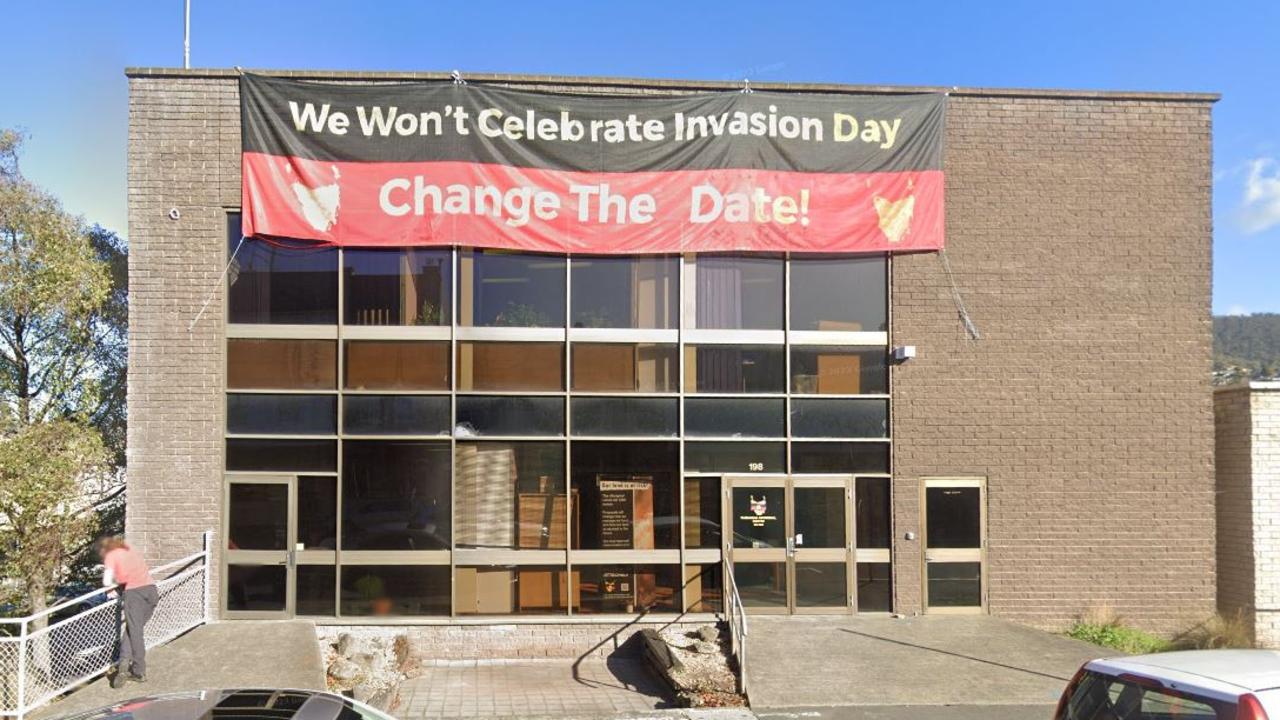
344, 643
345, 671
706, 648
709, 633
364, 692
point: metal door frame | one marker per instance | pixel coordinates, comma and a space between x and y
286, 557
943, 555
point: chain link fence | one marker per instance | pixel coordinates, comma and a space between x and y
79, 639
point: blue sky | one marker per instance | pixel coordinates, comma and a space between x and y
64, 61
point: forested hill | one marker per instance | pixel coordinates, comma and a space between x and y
1246, 347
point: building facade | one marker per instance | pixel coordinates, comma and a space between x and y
435, 435
1247, 418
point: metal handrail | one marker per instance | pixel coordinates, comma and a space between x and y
737, 616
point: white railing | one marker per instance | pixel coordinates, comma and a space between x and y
737, 615
79, 639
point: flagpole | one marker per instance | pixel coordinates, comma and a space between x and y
186, 34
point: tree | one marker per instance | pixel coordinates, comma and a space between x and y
59, 360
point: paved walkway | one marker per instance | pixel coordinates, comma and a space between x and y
591, 687
878, 664
222, 655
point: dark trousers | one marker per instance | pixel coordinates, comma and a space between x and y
136, 607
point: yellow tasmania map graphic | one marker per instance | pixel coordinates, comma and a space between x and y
895, 216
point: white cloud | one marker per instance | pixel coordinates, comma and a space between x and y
1237, 310
1260, 207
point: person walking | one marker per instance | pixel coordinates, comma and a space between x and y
124, 567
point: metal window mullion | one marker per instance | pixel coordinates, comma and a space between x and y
456, 300
567, 380
341, 383
681, 299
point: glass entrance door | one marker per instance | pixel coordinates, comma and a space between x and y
954, 543
790, 543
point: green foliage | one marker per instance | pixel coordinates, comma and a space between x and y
1116, 636
521, 315
1246, 347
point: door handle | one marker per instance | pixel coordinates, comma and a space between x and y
291, 558
791, 547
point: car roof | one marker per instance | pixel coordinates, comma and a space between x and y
1248, 669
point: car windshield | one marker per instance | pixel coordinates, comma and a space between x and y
1106, 697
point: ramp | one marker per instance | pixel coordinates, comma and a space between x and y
238, 654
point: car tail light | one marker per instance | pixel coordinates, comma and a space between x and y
1065, 700
1248, 707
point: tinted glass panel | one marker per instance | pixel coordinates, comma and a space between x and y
733, 417
388, 590
625, 416
397, 287
735, 369
395, 495
507, 289
625, 292
390, 365
1105, 697
267, 455
626, 495
875, 587
395, 414
735, 457
839, 457
840, 418
256, 588
510, 416
838, 293
822, 585
282, 364
736, 292
954, 517
759, 517
280, 283
512, 590
317, 512
258, 516
819, 518
510, 366
703, 588
702, 512
871, 497
761, 585
617, 367
838, 371
626, 588
511, 495
282, 414
955, 584
317, 590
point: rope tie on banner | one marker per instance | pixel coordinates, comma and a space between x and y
457, 78
961, 310
214, 291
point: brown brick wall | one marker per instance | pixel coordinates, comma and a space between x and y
1233, 457
1079, 235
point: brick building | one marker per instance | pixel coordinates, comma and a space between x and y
1248, 462
1061, 460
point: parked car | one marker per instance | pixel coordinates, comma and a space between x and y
1189, 685
237, 705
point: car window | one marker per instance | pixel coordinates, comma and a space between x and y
1105, 697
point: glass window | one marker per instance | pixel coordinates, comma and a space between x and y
389, 590
619, 417
839, 293
626, 589
397, 287
625, 292
317, 585
954, 584
759, 517
875, 587
256, 588
838, 371
514, 367
511, 496
819, 517
258, 516
625, 495
735, 369
395, 495
702, 512
953, 517
822, 584
282, 364
252, 454
703, 589
395, 415
393, 365
509, 415
282, 414
761, 584
318, 513
739, 292
735, 457
839, 457
840, 418
1104, 697
511, 590
617, 367
280, 282
735, 417
871, 496
498, 288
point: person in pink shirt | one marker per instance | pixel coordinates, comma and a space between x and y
124, 567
